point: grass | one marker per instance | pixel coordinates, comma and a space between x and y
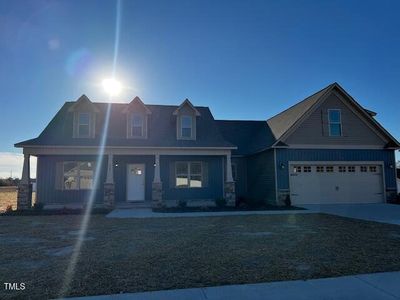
8, 197
133, 255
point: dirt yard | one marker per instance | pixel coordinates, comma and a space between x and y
8, 196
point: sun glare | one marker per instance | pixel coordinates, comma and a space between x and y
112, 87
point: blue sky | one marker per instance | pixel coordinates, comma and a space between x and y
244, 59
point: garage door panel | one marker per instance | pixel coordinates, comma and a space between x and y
329, 183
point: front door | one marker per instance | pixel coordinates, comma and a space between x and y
135, 182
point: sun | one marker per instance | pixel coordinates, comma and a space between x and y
112, 86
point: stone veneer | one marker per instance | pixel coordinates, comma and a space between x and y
156, 195
109, 195
230, 195
24, 198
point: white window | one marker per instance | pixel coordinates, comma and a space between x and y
329, 169
297, 169
84, 124
137, 124
78, 175
188, 174
186, 126
335, 122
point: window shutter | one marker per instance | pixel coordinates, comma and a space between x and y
59, 179
204, 166
324, 123
172, 174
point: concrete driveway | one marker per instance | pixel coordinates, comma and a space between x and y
381, 212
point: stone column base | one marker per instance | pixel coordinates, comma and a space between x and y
109, 195
156, 195
24, 198
230, 195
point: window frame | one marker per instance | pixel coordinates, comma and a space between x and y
78, 164
182, 117
189, 174
131, 126
330, 122
79, 124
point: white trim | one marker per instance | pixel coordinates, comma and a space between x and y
276, 177
339, 147
124, 151
335, 123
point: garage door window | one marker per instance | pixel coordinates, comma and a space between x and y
296, 169
372, 169
351, 169
320, 169
307, 169
342, 169
363, 169
329, 169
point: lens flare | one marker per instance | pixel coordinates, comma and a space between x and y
112, 86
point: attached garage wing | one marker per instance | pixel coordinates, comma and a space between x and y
326, 183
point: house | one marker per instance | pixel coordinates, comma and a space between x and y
325, 149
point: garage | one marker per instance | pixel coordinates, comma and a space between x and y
323, 183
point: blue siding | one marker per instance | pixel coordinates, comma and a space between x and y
241, 176
214, 179
120, 174
261, 177
46, 185
283, 156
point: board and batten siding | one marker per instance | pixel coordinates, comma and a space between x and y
212, 178
46, 181
315, 129
261, 177
283, 156
120, 171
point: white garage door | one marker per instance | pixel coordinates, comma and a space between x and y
330, 183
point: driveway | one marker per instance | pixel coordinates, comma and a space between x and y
380, 212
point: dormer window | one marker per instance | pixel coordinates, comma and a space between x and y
84, 124
335, 122
186, 126
137, 126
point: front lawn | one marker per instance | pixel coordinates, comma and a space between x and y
133, 255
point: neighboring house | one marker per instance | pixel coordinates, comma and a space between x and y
325, 149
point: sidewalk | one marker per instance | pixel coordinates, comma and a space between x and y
141, 213
368, 286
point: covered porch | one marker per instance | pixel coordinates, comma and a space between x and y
130, 177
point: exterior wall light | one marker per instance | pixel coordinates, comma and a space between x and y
282, 165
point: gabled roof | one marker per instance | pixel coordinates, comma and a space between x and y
282, 123
249, 136
83, 102
134, 103
161, 129
188, 103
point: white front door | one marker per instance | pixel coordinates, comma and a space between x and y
135, 182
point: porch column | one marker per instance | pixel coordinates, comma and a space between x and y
229, 186
24, 198
109, 189
156, 192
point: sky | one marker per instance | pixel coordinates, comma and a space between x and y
243, 59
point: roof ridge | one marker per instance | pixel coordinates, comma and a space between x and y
241, 120
302, 101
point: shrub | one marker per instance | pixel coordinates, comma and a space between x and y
254, 202
220, 202
288, 202
182, 203
9, 208
38, 206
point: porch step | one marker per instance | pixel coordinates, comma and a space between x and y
133, 205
